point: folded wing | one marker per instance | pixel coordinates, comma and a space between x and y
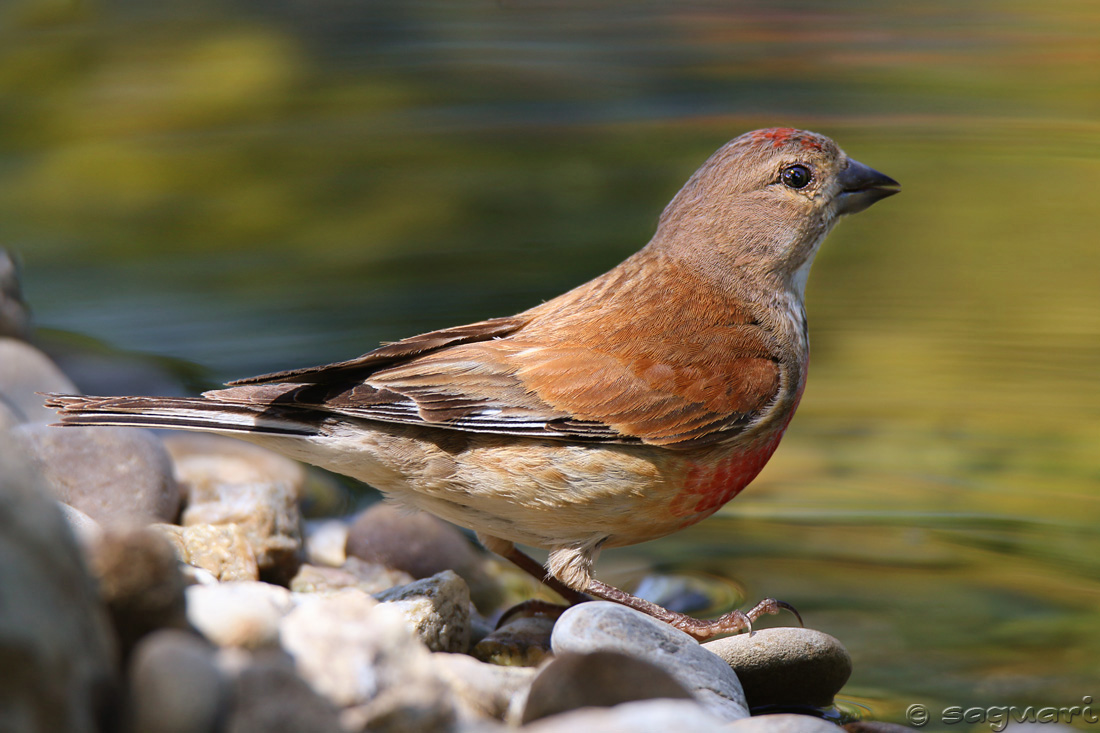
487, 378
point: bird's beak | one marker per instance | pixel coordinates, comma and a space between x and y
861, 186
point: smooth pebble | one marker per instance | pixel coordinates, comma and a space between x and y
24, 372
602, 625
56, 644
878, 726
523, 641
268, 697
86, 529
140, 581
175, 685
120, 476
644, 716
421, 545
786, 665
783, 723
599, 679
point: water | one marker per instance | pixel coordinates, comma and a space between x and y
253, 186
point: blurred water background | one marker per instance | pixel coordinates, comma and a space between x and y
249, 185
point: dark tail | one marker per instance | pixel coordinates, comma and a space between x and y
181, 413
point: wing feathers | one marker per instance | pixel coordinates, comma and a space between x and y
512, 387
580, 367
395, 352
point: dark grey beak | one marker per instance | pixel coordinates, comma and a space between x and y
861, 186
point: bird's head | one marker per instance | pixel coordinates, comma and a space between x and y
761, 205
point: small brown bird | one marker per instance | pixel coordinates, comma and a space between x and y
628, 408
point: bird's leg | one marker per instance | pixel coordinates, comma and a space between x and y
573, 567
528, 564
571, 570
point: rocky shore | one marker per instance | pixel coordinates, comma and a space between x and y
168, 583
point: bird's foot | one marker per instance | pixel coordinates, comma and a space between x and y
732, 622
698, 629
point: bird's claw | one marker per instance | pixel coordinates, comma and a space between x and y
734, 621
701, 630
770, 607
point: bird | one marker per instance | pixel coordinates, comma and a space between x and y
624, 410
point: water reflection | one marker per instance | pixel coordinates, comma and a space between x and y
253, 186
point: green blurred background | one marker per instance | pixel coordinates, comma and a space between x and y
252, 185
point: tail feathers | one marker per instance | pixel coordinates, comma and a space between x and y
182, 413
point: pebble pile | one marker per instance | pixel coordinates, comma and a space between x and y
167, 583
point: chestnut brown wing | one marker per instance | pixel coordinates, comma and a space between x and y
512, 387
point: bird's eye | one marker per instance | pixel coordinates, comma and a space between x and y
796, 176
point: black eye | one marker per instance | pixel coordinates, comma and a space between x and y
796, 176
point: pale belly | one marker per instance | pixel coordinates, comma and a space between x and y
540, 493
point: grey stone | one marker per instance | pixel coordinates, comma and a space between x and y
232, 660
482, 725
140, 581
409, 710
326, 541
268, 697
337, 651
600, 679
523, 641
9, 418
57, 653
481, 690
436, 608
376, 577
783, 723
356, 573
605, 626
645, 716
175, 685
786, 666
120, 476
86, 529
241, 614
227, 482
25, 371
361, 655
422, 546
325, 579
221, 549
197, 576
480, 627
